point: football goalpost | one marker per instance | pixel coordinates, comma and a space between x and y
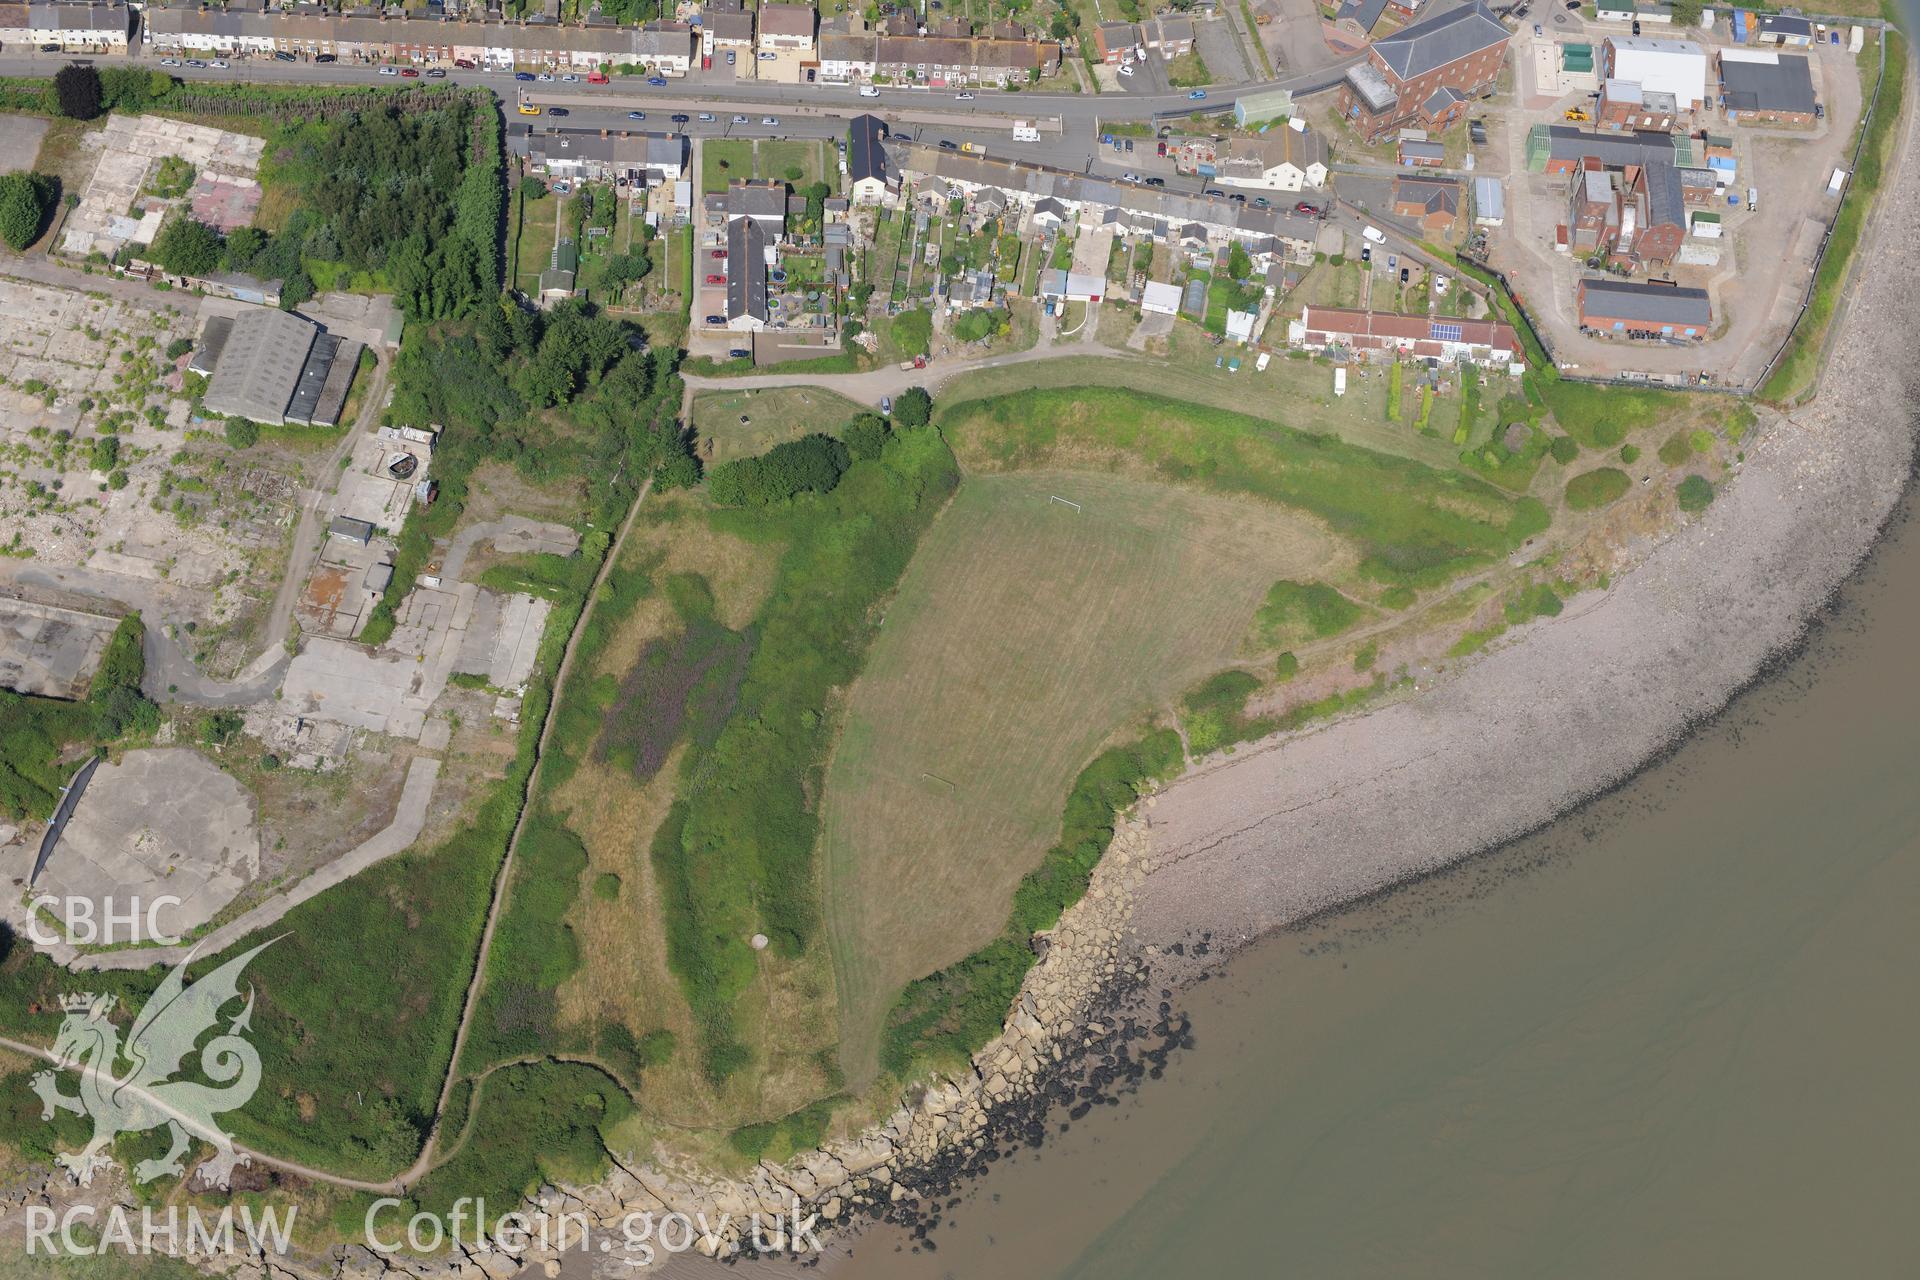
1065, 502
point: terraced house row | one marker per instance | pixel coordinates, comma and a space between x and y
75, 28
663, 46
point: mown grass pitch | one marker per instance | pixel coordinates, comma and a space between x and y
1024, 635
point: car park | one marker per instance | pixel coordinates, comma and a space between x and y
636, 115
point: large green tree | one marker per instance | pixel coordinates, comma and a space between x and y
76, 88
25, 199
188, 247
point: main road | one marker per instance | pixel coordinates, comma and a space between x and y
1077, 112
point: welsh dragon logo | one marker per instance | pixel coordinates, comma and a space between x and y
127, 1088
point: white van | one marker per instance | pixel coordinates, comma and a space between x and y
1374, 234
1753, 199
868, 91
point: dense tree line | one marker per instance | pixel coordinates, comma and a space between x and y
813, 464
36, 732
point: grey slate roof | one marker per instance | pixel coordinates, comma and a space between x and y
1364, 12
746, 270
1614, 150
866, 150
1758, 86
1436, 41
1665, 203
1647, 303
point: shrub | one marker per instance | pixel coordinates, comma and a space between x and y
914, 408
25, 201
866, 436
1695, 492
1295, 612
1676, 450
1564, 449
242, 433
179, 347
1286, 667
1629, 453
187, 247
1364, 657
1597, 488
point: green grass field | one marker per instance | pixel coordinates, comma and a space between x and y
774, 416
1024, 635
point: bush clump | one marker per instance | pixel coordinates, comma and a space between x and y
813, 464
1597, 488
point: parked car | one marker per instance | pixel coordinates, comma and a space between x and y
545, 77
1366, 253
770, 120
411, 73
681, 119
716, 279
1156, 182
1215, 191
1130, 177
1129, 146
169, 62
1306, 208
195, 62
1477, 131
1404, 275
657, 82
326, 57
1261, 202
465, 64
739, 119
707, 117
740, 353
523, 75
1537, 31
1160, 149
1126, 69
1238, 197
389, 71
636, 115
716, 319
886, 405
436, 73
281, 55
718, 255
963, 97
558, 111
730, 57
768, 57
218, 64
569, 78
948, 144
1196, 95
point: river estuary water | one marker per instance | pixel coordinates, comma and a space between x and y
1671, 1035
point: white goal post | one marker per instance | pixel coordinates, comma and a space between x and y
1065, 502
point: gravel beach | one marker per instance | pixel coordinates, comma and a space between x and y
1286, 829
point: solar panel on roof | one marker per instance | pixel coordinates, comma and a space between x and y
1446, 332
